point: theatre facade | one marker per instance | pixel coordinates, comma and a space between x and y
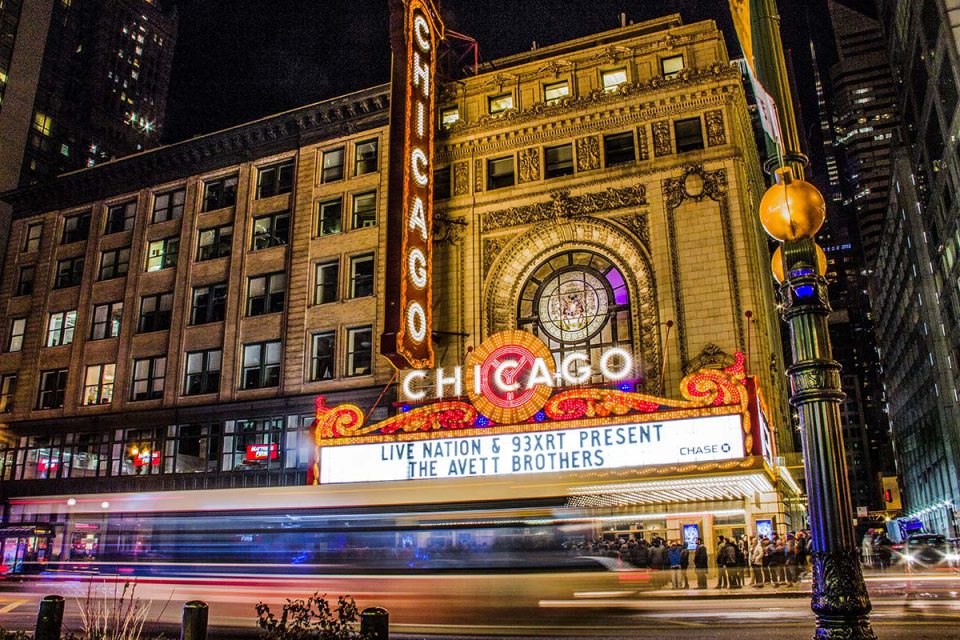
208, 315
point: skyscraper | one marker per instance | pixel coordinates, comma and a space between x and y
81, 81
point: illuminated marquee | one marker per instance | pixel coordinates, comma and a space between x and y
416, 31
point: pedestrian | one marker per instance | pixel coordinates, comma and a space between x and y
778, 559
731, 564
756, 563
643, 554
684, 564
884, 551
700, 564
740, 561
767, 550
674, 558
721, 564
658, 562
790, 563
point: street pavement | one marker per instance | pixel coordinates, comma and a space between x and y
911, 607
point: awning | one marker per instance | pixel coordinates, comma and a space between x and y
689, 489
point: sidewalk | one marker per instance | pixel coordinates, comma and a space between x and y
802, 590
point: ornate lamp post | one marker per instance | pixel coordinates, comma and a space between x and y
792, 211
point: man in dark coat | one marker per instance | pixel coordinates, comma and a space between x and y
722, 580
658, 562
700, 564
684, 564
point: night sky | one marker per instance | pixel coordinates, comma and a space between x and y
238, 60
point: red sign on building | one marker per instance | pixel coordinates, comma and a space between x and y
262, 451
415, 34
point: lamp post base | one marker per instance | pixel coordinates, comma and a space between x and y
840, 599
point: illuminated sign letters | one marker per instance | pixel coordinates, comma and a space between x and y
614, 446
415, 32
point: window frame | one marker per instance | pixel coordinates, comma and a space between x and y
204, 374
31, 244
103, 389
73, 277
151, 378
445, 123
607, 73
112, 309
171, 207
498, 181
548, 86
265, 370
103, 270
324, 178
219, 248
359, 161
158, 313
79, 234
322, 206
128, 209
562, 170
692, 144
58, 392
624, 135
351, 352
355, 212
8, 392
670, 75
221, 200
273, 239
64, 334
213, 303
319, 286
354, 279
505, 98
315, 358
169, 255
278, 185
13, 336
25, 286
273, 301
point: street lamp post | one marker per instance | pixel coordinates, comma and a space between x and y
792, 211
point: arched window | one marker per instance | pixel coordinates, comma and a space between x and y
577, 301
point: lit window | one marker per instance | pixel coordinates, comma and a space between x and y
322, 355
556, 91
265, 294
672, 66
613, 79
449, 117
17, 328
60, 327
162, 254
499, 104
261, 365
500, 173
215, 242
106, 320
98, 384
359, 351
42, 123
365, 157
271, 231
65, 150
326, 282
364, 210
329, 217
332, 169
148, 378
361, 276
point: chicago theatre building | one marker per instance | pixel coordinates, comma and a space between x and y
603, 323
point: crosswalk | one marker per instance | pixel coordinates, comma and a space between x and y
8, 603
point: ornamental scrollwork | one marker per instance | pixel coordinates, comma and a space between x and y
588, 153
643, 147
529, 165
838, 586
712, 356
662, 144
564, 205
478, 175
491, 249
638, 224
716, 132
688, 78
461, 178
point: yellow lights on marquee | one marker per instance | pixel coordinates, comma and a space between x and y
416, 31
776, 263
792, 209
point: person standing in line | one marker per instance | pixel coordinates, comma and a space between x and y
756, 563
731, 564
790, 559
767, 549
722, 580
684, 564
673, 557
700, 564
658, 560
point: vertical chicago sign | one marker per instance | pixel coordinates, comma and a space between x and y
415, 33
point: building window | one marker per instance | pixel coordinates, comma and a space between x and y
202, 372
329, 217
60, 327
689, 134
18, 327
197, 448
8, 391
500, 173
441, 184
326, 282
142, 452
219, 193
120, 217
215, 242
98, 384
42, 123
365, 157
322, 355
31, 241
169, 206
671, 66
618, 148
556, 91
449, 117
359, 351
162, 254
261, 365
612, 79
106, 320
148, 377
558, 161
364, 210
53, 387
209, 304
25, 280
253, 444
114, 263
500, 103
155, 312
75, 228
69, 273
275, 179
361, 276
271, 231
265, 293
332, 169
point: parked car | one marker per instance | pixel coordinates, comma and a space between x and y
926, 549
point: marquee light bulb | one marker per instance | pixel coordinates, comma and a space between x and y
417, 266
416, 322
418, 164
421, 31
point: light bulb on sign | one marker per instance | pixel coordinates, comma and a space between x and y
416, 322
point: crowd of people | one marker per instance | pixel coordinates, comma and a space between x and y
762, 560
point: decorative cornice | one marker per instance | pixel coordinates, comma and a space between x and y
686, 78
563, 205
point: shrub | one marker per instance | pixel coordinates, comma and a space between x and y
311, 619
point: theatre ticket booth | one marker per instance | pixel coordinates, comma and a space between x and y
511, 425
